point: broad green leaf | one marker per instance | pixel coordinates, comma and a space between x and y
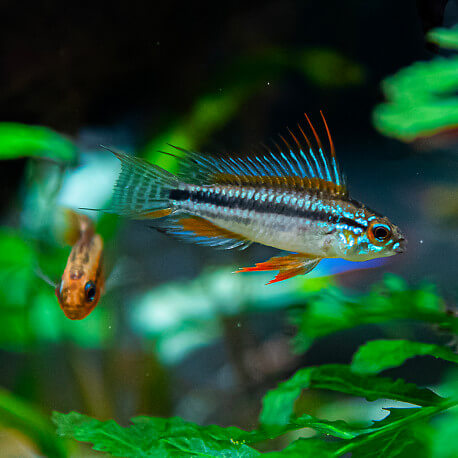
18, 414
278, 404
20, 140
154, 437
378, 355
198, 446
315, 448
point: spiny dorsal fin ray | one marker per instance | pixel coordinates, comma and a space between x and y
296, 165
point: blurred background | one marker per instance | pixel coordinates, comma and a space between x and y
178, 334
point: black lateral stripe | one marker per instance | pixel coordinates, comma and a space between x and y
179, 195
204, 197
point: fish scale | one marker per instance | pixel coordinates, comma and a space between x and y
258, 213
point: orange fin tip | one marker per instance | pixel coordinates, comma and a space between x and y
288, 266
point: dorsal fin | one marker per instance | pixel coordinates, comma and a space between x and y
292, 166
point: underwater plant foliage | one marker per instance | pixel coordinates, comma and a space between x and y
134, 343
421, 99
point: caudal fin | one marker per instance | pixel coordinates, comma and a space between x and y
142, 189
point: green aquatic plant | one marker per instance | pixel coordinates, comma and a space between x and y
283, 417
396, 434
421, 99
21, 140
392, 300
289, 425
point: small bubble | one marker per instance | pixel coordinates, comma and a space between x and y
239, 325
268, 83
421, 241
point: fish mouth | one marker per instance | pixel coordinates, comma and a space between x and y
74, 314
400, 246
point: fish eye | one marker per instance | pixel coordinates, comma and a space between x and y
89, 291
379, 234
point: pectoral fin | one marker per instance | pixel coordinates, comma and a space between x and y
288, 266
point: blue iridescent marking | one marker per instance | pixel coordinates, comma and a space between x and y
240, 166
326, 168
301, 170
293, 170
280, 165
318, 168
273, 167
257, 171
312, 174
336, 171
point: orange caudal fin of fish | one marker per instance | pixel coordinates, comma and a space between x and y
288, 266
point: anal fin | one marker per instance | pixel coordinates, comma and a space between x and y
288, 266
203, 232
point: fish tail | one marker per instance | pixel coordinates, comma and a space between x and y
142, 190
71, 225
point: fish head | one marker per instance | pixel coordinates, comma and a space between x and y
379, 239
81, 286
77, 299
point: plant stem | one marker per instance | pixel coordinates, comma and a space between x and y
423, 412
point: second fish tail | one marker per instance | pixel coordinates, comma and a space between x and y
142, 190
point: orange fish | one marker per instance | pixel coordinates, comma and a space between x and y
83, 280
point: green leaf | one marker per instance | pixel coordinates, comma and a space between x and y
278, 404
156, 437
398, 434
315, 448
445, 443
421, 98
333, 309
445, 38
378, 355
338, 428
16, 413
20, 140
401, 443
